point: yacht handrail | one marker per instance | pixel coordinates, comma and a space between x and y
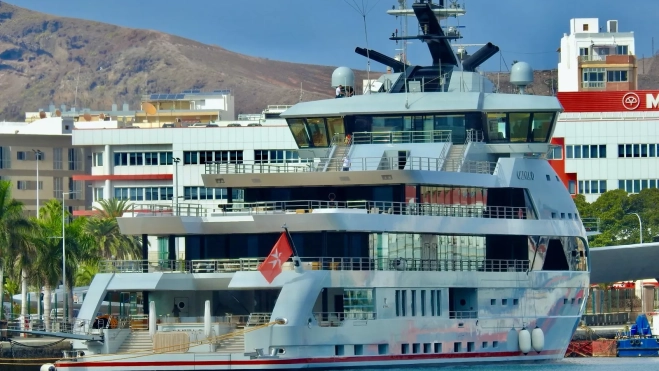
320, 263
319, 206
407, 136
356, 164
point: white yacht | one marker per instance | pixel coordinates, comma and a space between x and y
426, 227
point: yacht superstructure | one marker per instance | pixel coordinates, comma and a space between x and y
425, 227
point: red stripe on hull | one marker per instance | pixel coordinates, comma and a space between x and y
303, 361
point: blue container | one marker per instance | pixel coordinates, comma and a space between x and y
638, 347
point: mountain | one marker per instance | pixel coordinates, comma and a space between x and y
45, 59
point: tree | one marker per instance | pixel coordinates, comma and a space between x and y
104, 227
14, 237
618, 225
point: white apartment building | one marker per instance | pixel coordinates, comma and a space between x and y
594, 58
608, 136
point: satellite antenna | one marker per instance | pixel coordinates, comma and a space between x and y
87, 116
149, 109
42, 114
521, 75
58, 113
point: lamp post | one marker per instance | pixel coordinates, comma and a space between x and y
64, 243
38, 154
175, 195
640, 226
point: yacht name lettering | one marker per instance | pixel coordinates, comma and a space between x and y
525, 175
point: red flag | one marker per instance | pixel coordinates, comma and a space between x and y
271, 267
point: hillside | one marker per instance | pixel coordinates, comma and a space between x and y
43, 58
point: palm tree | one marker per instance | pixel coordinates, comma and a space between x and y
112, 207
105, 229
86, 274
14, 238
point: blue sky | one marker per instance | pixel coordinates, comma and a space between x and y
327, 31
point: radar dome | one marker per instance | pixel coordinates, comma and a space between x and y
343, 76
521, 74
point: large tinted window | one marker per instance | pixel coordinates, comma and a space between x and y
497, 127
519, 126
541, 126
299, 132
318, 132
335, 126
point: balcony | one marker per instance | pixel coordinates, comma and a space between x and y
356, 164
316, 263
607, 59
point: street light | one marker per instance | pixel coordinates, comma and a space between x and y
176, 161
38, 154
640, 226
64, 241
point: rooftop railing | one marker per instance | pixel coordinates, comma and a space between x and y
356, 164
310, 263
426, 136
329, 207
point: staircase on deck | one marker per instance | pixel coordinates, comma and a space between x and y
342, 149
233, 344
137, 341
454, 158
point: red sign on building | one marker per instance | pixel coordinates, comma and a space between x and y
610, 101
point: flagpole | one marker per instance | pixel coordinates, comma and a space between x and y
297, 263
290, 239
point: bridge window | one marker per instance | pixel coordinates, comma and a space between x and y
299, 132
318, 132
519, 126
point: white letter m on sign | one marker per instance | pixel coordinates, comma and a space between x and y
651, 101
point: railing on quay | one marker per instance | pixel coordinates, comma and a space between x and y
315, 206
424, 136
315, 263
356, 164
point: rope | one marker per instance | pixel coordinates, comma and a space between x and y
35, 346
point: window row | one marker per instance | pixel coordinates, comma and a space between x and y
592, 186
555, 215
144, 193
418, 303
427, 348
275, 156
28, 185
601, 75
586, 151
638, 150
636, 185
75, 158
203, 193
504, 302
136, 158
203, 157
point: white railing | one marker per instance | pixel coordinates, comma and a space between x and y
326, 263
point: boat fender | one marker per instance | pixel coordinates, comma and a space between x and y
538, 339
47, 367
524, 340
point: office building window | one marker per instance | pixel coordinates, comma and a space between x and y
591, 186
142, 158
586, 151
98, 159
617, 76
638, 150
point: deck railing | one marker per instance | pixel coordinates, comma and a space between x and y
356, 164
314, 263
463, 314
316, 206
425, 136
335, 319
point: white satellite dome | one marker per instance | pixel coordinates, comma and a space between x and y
343, 76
